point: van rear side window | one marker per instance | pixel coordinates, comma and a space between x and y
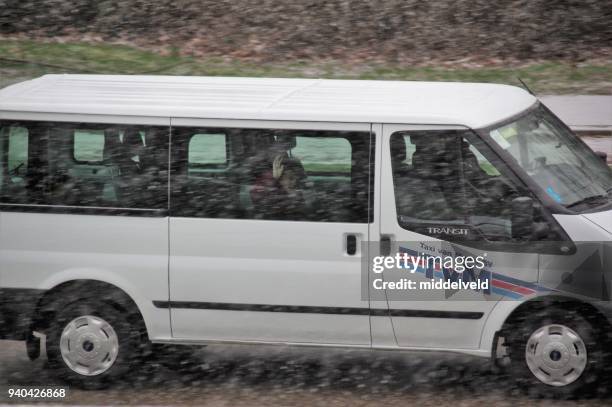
85, 165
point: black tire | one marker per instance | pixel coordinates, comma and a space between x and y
518, 336
128, 351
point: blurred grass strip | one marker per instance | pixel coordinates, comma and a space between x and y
21, 60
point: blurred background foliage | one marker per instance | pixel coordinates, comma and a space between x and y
556, 46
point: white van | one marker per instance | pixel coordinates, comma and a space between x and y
139, 210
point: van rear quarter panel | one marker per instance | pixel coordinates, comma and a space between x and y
42, 251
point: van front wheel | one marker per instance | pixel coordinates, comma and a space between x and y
557, 354
91, 345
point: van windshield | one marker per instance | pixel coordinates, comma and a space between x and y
559, 163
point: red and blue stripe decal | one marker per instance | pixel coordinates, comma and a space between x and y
499, 284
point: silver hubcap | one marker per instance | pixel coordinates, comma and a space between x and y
89, 345
556, 355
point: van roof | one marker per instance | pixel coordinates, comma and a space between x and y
451, 103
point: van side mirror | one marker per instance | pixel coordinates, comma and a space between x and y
522, 217
603, 155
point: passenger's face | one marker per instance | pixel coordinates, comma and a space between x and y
288, 180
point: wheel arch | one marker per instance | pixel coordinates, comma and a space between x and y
507, 313
82, 289
586, 309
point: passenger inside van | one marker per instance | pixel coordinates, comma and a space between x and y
133, 148
121, 160
279, 193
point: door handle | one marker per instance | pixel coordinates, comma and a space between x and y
351, 245
385, 245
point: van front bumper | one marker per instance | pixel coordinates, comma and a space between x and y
17, 307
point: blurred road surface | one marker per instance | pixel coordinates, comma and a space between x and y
283, 376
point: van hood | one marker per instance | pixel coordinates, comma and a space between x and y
601, 219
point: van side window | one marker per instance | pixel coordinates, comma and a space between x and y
86, 165
318, 176
445, 186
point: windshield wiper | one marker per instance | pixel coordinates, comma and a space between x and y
589, 199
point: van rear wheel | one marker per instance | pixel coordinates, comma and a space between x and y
556, 354
92, 344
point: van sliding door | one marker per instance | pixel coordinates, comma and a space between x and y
266, 227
